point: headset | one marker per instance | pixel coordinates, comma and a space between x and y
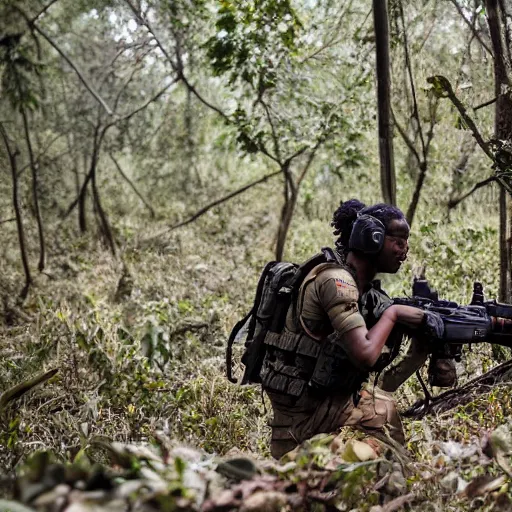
367, 234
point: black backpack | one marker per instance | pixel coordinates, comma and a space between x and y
277, 289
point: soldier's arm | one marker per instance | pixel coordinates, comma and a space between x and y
364, 346
337, 294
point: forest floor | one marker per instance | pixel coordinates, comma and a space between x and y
138, 341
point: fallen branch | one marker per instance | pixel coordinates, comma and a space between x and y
190, 326
208, 207
21, 388
463, 395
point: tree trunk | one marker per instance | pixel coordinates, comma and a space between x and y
104, 224
503, 131
504, 291
411, 211
82, 216
35, 192
17, 212
387, 166
284, 225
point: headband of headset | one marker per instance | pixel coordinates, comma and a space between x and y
367, 234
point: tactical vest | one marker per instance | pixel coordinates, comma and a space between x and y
297, 360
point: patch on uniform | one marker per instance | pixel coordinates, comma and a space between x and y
345, 289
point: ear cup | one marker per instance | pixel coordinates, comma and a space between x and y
367, 234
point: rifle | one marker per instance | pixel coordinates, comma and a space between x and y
480, 321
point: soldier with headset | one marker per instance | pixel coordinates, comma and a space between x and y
339, 308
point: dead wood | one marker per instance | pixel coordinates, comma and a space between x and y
463, 395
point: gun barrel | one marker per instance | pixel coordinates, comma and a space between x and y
499, 310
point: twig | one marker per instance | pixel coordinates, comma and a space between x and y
154, 98
485, 104
41, 154
411, 81
12, 219
147, 24
208, 207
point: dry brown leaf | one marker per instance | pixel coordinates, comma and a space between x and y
264, 501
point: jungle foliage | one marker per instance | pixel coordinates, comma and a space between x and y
156, 154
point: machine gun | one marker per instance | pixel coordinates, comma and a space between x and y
480, 321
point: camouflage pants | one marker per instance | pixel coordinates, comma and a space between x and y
405, 365
372, 410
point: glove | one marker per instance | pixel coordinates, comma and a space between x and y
432, 325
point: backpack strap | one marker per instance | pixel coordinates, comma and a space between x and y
325, 259
252, 324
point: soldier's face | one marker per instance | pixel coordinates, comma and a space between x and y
395, 248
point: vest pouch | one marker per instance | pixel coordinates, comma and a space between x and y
277, 377
334, 370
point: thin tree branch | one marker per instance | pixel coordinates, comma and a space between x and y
454, 202
411, 80
485, 104
175, 66
154, 98
42, 11
144, 21
132, 185
311, 157
4, 221
125, 85
41, 154
406, 139
444, 83
75, 68
470, 25
211, 205
204, 101
17, 211
275, 139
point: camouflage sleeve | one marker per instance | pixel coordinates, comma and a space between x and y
338, 294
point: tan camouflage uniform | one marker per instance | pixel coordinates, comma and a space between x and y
328, 300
